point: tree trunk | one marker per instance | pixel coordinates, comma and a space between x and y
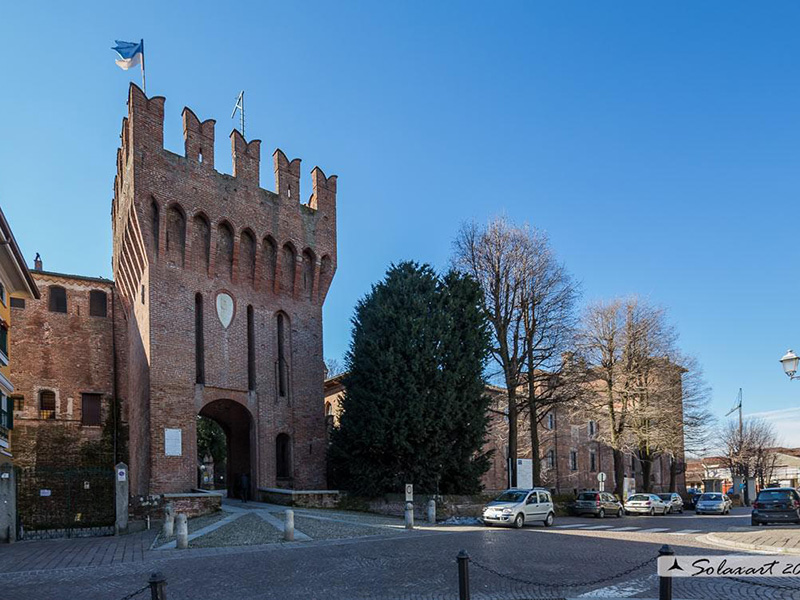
619, 472
647, 472
673, 474
537, 465
512, 433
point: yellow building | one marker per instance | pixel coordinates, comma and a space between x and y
14, 279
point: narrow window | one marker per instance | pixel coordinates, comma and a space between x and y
308, 274
47, 404
592, 428
176, 235
593, 461
199, 344
247, 257
19, 402
2, 293
90, 409
551, 421
6, 412
551, 458
58, 299
282, 365
251, 350
201, 244
269, 255
283, 457
224, 264
98, 303
573, 460
4, 339
155, 220
288, 268
17, 302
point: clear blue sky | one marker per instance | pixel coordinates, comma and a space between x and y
657, 143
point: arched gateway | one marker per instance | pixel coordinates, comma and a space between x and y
222, 285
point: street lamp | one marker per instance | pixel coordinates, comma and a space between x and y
790, 361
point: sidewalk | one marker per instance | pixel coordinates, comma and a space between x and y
783, 540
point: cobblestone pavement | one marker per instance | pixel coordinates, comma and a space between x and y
783, 538
407, 565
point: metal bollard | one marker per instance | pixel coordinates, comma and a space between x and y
182, 532
409, 515
158, 586
169, 520
288, 527
463, 575
432, 512
665, 583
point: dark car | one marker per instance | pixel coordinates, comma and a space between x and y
776, 505
690, 500
598, 504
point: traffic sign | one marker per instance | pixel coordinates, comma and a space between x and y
409, 492
601, 476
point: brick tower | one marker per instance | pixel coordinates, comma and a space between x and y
222, 284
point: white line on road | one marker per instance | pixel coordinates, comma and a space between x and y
654, 530
573, 525
625, 528
685, 532
598, 527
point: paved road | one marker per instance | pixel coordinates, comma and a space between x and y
418, 565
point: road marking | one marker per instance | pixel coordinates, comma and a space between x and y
598, 527
573, 525
685, 532
625, 528
654, 530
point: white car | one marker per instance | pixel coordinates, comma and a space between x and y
517, 507
712, 503
646, 504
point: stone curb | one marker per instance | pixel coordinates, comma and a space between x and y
712, 538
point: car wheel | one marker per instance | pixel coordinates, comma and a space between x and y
487, 524
652, 512
619, 513
519, 521
668, 510
601, 514
627, 514
548, 522
753, 523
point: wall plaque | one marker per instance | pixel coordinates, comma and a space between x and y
172, 442
225, 308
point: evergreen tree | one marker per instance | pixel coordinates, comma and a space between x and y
414, 409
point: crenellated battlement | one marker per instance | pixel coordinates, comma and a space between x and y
143, 130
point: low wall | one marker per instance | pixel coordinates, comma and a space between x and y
194, 504
304, 498
446, 506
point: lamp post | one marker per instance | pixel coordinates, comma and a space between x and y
790, 361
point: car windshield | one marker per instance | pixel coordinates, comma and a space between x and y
639, 498
711, 497
587, 496
511, 496
665, 496
775, 495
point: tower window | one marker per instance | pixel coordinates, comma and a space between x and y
90, 409
251, 350
283, 456
47, 404
199, 342
57, 301
98, 303
283, 366
573, 460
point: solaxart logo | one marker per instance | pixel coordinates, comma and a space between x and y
728, 566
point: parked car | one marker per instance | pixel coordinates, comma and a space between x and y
776, 505
519, 506
598, 504
674, 500
646, 504
713, 503
690, 500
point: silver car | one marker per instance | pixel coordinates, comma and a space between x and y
646, 504
674, 500
519, 506
713, 503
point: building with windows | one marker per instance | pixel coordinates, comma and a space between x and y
215, 310
14, 279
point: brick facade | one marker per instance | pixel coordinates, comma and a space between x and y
217, 296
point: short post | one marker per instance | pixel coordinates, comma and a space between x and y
121, 498
665, 583
288, 526
432, 511
169, 520
158, 586
182, 531
463, 575
409, 515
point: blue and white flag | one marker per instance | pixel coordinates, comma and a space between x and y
130, 54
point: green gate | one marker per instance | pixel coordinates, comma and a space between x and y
51, 498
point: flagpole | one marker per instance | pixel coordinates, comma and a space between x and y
144, 81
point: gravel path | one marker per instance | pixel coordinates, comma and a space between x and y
329, 530
248, 530
194, 525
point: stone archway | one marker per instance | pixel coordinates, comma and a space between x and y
237, 423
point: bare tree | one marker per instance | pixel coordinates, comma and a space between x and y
547, 304
625, 345
749, 449
495, 256
333, 367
